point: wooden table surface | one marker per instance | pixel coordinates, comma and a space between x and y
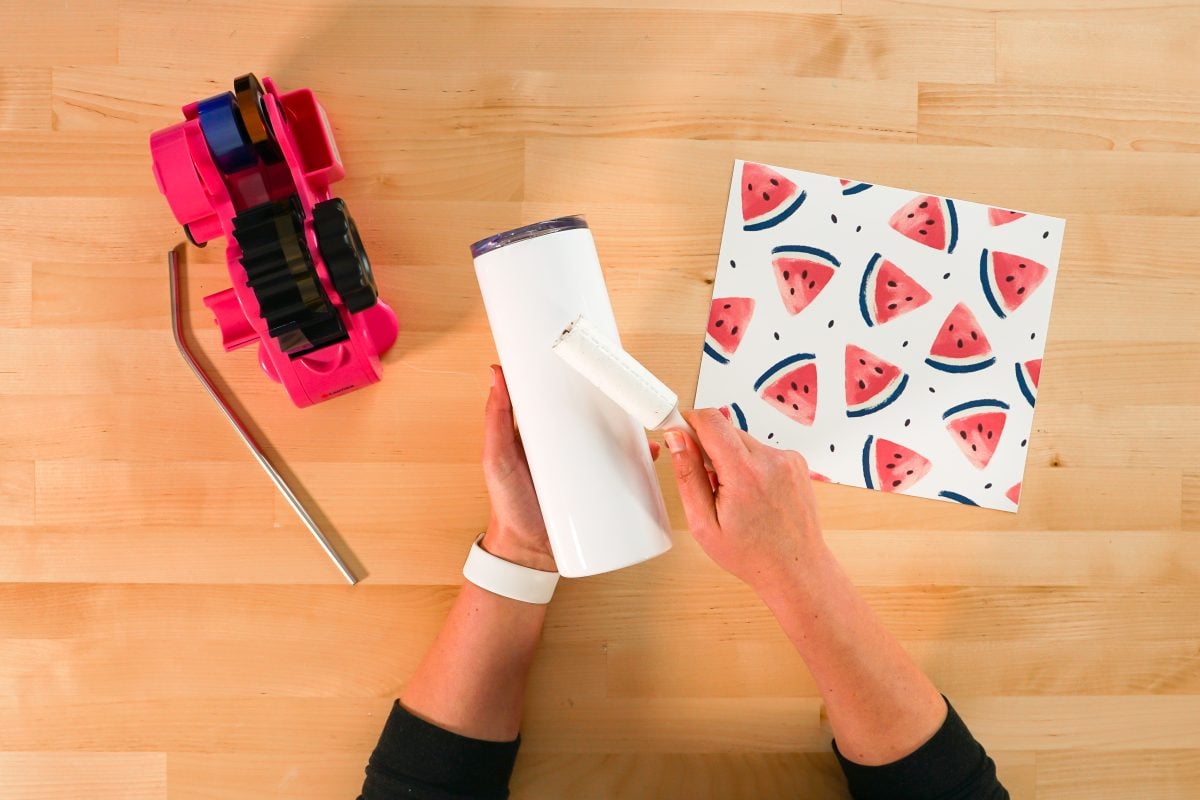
168, 629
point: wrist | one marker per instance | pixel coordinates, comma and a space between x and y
796, 579
506, 544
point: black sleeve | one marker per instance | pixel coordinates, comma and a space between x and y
417, 759
950, 766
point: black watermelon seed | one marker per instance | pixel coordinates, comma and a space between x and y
932, 390
862, 362
908, 299
879, 370
777, 336
897, 456
811, 284
923, 205
960, 344
831, 448
791, 290
921, 231
905, 343
979, 427
770, 436
895, 483
951, 327
786, 274
1046, 235
862, 384
946, 277
779, 397
1032, 335
989, 434
974, 335
910, 216
1009, 278
858, 229
907, 422
766, 196
774, 182
732, 264
834, 218
795, 407
910, 472
987, 486
974, 448
727, 305
806, 388
750, 187
892, 284
1021, 290
891, 466
1024, 442
719, 323
830, 325
963, 434
804, 275
891, 306
733, 330
794, 386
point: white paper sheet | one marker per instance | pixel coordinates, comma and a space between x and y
961, 413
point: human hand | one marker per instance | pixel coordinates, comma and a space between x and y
516, 531
756, 516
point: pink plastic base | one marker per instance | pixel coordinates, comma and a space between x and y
206, 202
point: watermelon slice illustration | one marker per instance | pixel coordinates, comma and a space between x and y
1008, 280
727, 322
768, 198
976, 427
791, 387
999, 216
801, 272
871, 382
960, 345
957, 498
854, 187
734, 414
891, 467
887, 292
1014, 493
1028, 375
930, 220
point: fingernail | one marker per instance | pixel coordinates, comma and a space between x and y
492, 372
675, 442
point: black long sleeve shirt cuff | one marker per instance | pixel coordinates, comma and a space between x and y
417, 759
950, 766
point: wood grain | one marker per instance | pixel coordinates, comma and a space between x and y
168, 631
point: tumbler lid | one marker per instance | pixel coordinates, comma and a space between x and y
498, 240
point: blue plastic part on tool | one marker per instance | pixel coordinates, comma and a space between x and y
223, 132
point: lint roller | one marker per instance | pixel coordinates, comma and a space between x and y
621, 377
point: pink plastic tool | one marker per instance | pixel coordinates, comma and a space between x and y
255, 165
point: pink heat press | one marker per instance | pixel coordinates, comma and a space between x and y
255, 166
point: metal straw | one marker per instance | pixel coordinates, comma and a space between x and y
259, 456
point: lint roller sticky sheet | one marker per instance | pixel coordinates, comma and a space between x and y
621, 377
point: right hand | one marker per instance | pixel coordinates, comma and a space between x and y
757, 516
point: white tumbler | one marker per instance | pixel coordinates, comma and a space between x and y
589, 458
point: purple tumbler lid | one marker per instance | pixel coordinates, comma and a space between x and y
496, 241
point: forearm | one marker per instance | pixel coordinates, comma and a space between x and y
880, 705
472, 680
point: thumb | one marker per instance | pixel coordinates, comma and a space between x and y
695, 490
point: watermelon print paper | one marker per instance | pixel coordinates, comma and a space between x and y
893, 337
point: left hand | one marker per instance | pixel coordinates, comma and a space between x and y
516, 531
